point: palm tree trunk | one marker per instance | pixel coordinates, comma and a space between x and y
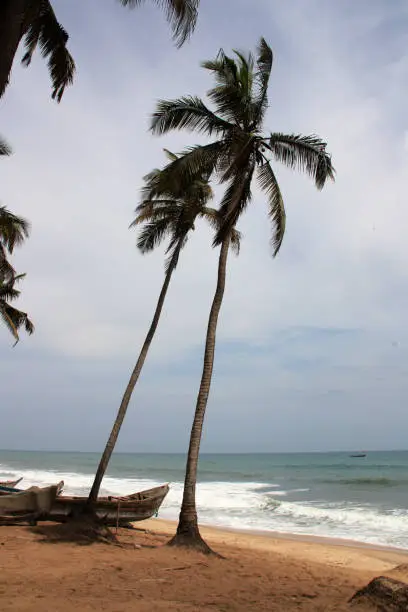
110, 445
188, 533
12, 14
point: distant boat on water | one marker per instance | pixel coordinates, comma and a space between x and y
356, 455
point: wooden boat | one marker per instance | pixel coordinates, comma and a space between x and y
10, 483
112, 510
31, 504
358, 455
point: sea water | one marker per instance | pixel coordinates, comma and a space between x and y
322, 494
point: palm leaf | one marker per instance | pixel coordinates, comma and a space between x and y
277, 214
13, 229
188, 112
230, 95
152, 235
5, 149
45, 31
305, 153
181, 14
264, 62
235, 200
193, 163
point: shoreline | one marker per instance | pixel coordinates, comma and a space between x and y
286, 535
315, 549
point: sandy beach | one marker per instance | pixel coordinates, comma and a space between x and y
44, 569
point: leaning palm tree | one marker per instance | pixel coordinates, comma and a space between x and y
163, 216
241, 149
35, 22
13, 318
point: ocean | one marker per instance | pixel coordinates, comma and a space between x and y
321, 494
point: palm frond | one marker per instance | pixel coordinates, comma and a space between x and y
152, 235
276, 208
189, 113
15, 319
264, 62
13, 229
235, 242
232, 92
8, 292
306, 153
7, 272
181, 14
45, 30
198, 162
171, 156
153, 210
8, 320
235, 200
5, 148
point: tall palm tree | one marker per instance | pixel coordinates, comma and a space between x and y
241, 149
163, 216
35, 22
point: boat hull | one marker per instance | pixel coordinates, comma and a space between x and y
10, 483
111, 510
36, 500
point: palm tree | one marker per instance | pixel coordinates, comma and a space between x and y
35, 22
241, 148
163, 216
13, 318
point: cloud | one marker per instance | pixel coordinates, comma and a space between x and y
304, 336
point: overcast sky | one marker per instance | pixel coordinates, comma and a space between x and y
313, 346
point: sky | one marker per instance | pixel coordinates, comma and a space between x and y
312, 347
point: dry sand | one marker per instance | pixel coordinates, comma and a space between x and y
41, 570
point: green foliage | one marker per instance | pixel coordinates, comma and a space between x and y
240, 99
168, 212
13, 231
181, 14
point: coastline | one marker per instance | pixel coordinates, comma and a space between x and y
330, 551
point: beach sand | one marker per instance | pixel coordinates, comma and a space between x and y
41, 570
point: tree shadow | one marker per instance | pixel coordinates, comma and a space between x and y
83, 532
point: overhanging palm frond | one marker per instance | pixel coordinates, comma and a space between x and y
188, 112
45, 31
306, 153
277, 214
5, 149
13, 229
13, 318
181, 14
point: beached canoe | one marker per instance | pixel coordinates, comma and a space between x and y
10, 483
112, 510
33, 503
